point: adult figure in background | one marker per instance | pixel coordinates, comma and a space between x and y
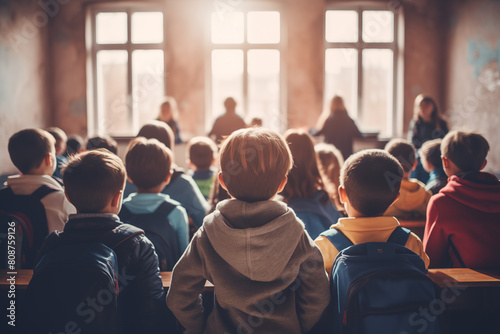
225, 124
426, 125
339, 129
169, 113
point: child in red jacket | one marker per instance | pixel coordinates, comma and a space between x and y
463, 219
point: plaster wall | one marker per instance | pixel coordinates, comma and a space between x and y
473, 79
24, 72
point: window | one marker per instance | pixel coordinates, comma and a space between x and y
361, 58
245, 57
125, 67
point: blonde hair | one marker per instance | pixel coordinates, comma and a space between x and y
253, 163
330, 161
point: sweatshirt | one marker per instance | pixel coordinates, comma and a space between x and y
57, 207
412, 201
267, 273
465, 214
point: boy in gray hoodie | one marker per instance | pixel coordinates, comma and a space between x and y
267, 273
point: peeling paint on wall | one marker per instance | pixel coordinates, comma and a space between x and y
481, 54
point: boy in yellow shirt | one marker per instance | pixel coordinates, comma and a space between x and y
369, 183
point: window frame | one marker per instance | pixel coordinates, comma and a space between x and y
395, 119
94, 116
248, 6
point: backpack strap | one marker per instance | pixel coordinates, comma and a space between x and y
399, 236
164, 209
42, 191
337, 238
120, 234
177, 172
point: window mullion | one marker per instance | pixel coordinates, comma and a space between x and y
246, 48
359, 48
130, 99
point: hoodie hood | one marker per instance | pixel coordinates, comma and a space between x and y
412, 195
242, 234
479, 191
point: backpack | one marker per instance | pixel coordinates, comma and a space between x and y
74, 287
159, 231
380, 287
23, 216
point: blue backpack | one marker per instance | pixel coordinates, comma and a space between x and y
159, 231
75, 287
379, 287
23, 227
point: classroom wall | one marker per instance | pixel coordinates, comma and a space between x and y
24, 65
437, 37
473, 79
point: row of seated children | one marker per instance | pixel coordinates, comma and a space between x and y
251, 218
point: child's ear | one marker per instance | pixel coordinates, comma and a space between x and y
445, 162
484, 164
116, 200
414, 164
282, 184
48, 160
342, 195
168, 177
221, 181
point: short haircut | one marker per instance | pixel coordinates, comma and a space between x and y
105, 142
158, 130
74, 144
92, 178
27, 148
148, 162
253, 163
403, 151
59, 134
201, 151
372, 179
431, 152
467, 150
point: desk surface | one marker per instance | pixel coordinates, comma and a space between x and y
462, 277
23, 277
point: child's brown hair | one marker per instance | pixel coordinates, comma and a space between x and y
92, 178
304, 179
148, 162
403, 151
467, 150
371, 179
27, 148
201, 151
431, 152
253, 163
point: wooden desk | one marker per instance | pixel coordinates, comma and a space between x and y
464, 277
23, 277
